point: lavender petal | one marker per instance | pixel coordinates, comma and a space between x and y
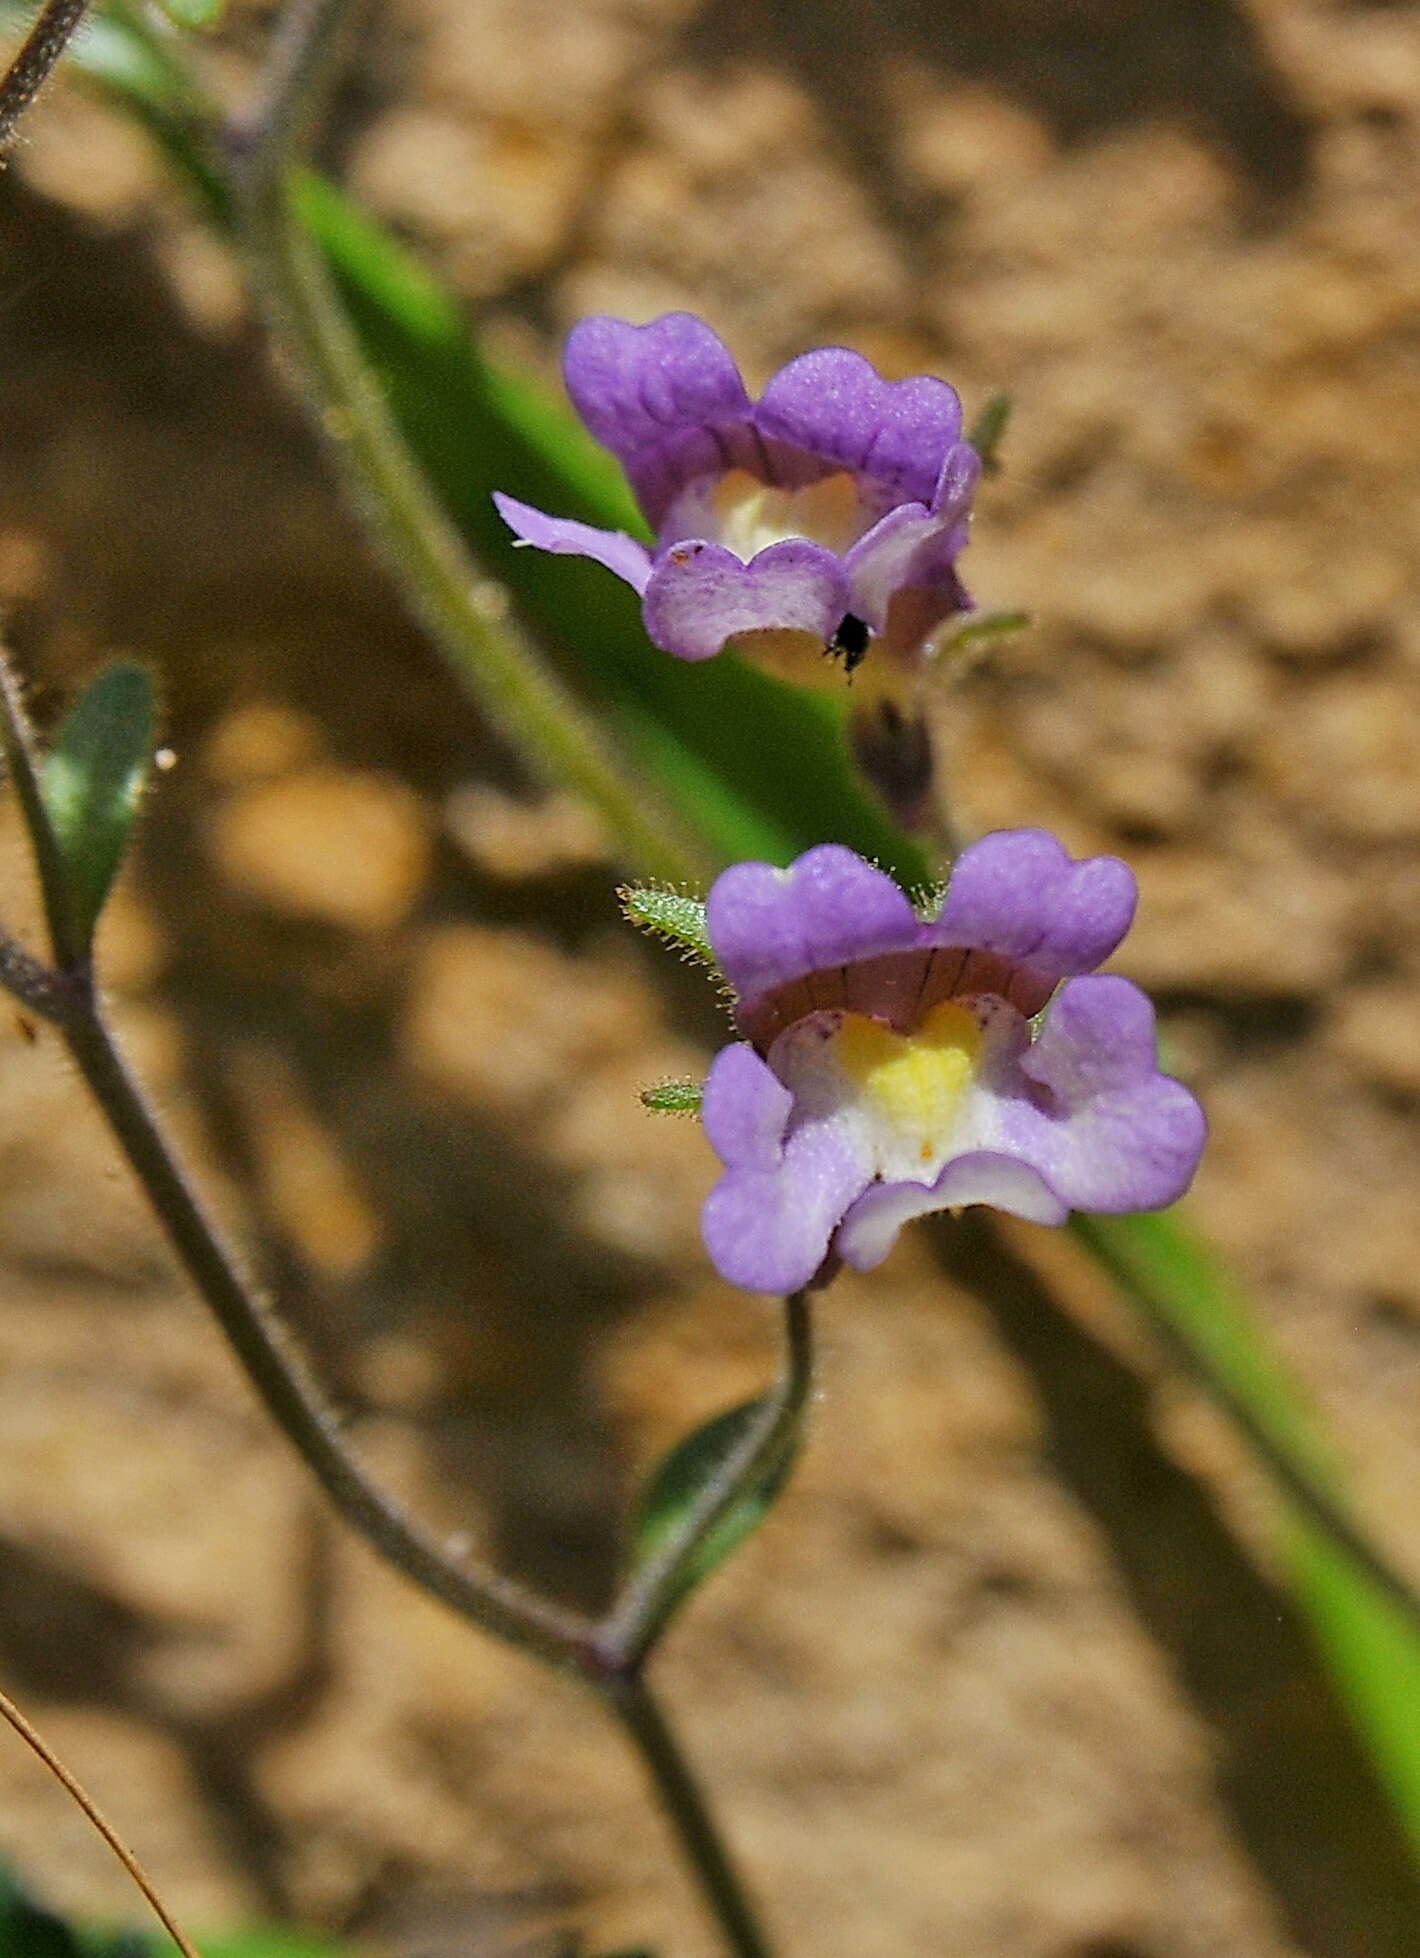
769, 926
565, 537
834, 404
700, 595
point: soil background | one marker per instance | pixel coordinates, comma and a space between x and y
1009, 1674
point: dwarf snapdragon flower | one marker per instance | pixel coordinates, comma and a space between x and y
826, 516
894, 1064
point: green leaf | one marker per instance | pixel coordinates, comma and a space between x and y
672, 1490
194, 13
671, 915
92, 782
674, 1097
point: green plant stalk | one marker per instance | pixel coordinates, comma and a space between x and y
464, 613
277, 1372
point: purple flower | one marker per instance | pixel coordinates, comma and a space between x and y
894, 1065
827, 516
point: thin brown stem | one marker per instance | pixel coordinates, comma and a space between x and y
72, 1787
32, 66
680, 1796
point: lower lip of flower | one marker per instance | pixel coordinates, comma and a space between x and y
900, 989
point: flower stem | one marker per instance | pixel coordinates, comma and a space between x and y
685, 1807
638, 1618
31, 68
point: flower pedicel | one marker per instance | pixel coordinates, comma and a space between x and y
826, 516
894, 1064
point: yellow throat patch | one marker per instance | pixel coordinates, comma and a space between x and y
913, 1083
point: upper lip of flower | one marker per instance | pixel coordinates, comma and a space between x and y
667, 399
1019, 915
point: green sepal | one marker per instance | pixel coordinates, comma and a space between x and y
673, 1487
91, 784
679, 919
674, 1097
988, 431
985, 626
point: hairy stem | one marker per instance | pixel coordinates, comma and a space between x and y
464, 613
32, 66
22, 759
642, 1613
680, 1797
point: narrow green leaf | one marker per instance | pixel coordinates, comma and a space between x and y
674, 1097
671, 1492
1368, 1641
1374, 1657
1158, 1261
92, 782
670, 915
269, 1944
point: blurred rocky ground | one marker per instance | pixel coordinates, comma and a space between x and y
1008, 1675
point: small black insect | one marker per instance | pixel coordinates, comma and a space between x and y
851, 639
